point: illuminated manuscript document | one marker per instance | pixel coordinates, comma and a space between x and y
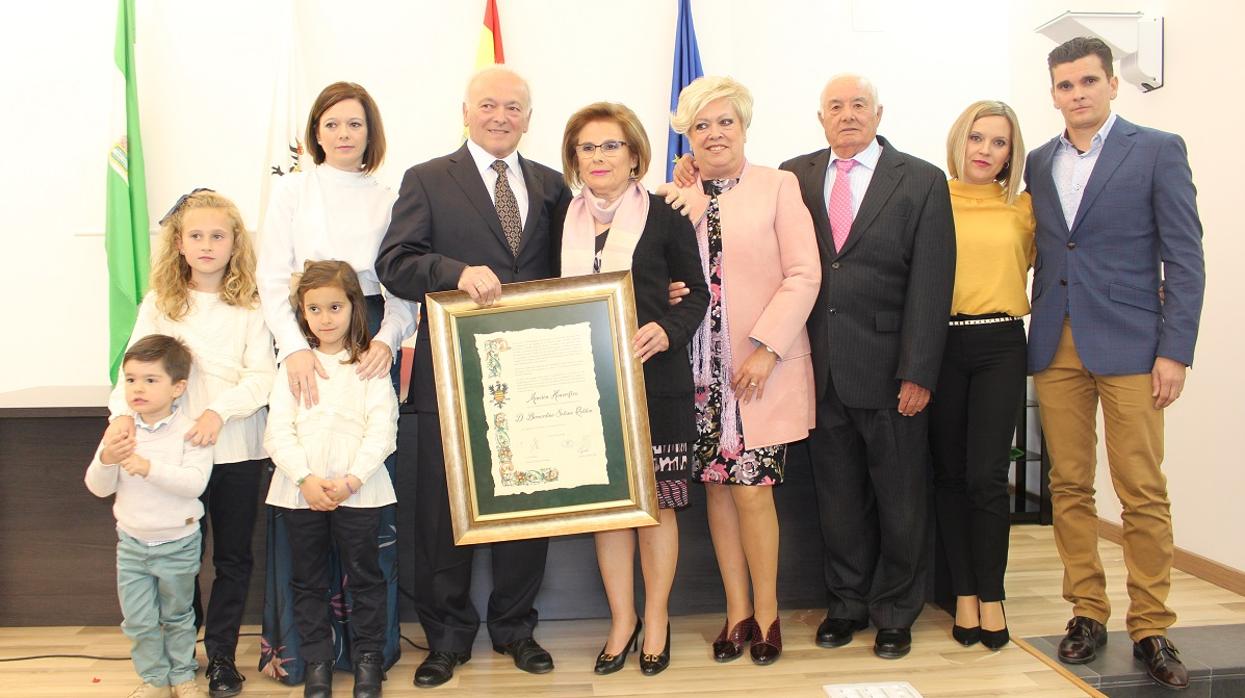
543, 409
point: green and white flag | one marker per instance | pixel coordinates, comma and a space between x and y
126, 234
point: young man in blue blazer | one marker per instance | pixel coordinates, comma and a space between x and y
1116, 222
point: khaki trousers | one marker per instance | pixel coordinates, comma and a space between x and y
1068, 396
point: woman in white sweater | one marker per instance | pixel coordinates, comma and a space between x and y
331, 210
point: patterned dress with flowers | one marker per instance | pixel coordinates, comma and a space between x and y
715, 460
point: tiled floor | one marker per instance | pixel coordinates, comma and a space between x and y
1214, 655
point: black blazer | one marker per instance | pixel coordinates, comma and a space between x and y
881, 315
666, 251
445, 221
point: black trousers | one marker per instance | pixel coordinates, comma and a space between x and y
311, 535
443, 570
230, 503
871, 471
979, 391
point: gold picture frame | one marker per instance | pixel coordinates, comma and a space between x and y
624, 495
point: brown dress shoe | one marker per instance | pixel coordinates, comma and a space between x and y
1162, 661
1080, 644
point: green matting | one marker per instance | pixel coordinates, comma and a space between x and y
597, 314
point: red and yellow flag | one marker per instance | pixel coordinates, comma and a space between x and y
489, 51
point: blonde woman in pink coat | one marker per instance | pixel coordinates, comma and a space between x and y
751, 357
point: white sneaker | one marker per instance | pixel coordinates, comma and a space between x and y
187, 689
148, 691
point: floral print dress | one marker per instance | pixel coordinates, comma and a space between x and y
716, 461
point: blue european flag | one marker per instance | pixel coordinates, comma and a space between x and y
686, 69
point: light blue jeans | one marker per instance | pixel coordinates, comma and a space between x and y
156, 585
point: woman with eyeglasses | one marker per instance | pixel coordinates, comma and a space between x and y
614, 224
751, 358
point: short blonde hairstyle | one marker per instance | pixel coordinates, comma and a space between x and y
633, 133
957, 142
708, 89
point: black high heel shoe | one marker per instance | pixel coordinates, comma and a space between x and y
966, 636
609, 663
654, 664
996, 639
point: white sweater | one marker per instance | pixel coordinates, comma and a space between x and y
350, 431
319, 214
164, 505
232, 372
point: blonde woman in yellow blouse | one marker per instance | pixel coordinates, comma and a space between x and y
982, 379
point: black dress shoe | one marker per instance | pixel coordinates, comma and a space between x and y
1080, 644
966, 636
654, 664
836, 632
319, 680
1162, 661
609, 663
892, 643
528, 655
438, 667
223, 677
368, 673
996, 639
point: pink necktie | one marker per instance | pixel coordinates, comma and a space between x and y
841, 203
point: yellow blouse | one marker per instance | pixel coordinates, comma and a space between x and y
994, 249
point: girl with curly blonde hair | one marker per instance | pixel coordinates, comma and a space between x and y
203, 292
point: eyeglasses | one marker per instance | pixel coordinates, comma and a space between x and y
180, 202
586, 150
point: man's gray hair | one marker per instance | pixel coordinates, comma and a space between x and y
864, 82
490, 71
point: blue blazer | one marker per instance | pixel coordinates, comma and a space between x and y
1137, 226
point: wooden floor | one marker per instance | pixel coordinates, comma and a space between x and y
936, 667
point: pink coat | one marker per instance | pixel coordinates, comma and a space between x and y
772, 273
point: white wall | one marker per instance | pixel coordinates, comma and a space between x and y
206, 76
1200, 101
205, 83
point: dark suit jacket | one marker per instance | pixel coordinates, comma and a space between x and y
666, 251
1137, 226
443, 222
881, 315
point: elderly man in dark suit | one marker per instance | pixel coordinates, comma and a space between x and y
472, 220
887, 243
1116, 217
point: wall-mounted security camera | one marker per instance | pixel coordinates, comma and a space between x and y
1135, 39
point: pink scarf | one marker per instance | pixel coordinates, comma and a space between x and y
702, 354
626, 217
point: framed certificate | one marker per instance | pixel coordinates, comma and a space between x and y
544, 421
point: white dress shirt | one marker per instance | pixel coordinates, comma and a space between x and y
350, 431
319, 214
861, 174
231, 375
1072, 168
514, 174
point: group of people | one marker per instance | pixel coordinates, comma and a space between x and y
853, 296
